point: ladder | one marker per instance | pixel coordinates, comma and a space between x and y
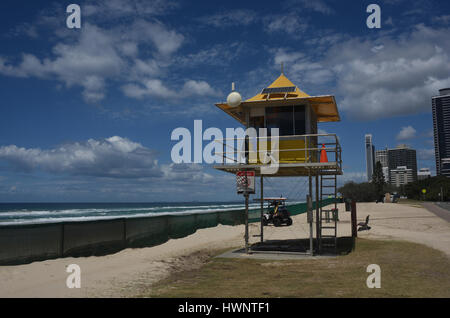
327, 217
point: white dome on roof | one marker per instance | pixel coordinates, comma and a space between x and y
234, 99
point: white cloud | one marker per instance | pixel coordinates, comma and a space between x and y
396, 80
149, 87
301, 68
112, 9
165, 40
96, 56
289, 23
282, 24
444, 19
129, 48
113, 157
156, 88
389, 21
389, 75
406, 133
199, 88
377, 48
226, 19
27, 29
192, 173
281, 55
316, 5
146, 68
217, 55
323, 40
78, 63
93, 88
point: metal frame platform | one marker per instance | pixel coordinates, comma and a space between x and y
234, 160
287, 169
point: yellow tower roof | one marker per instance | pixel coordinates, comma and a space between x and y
281, 82
282, 92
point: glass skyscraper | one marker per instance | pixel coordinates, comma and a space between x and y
370, 157
382, 156
403, 156
441, 127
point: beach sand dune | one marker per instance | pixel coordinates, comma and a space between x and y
127, 272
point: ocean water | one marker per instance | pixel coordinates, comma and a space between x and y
37, 213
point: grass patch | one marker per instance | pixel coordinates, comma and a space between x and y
407, 270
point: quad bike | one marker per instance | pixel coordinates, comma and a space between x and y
277, 214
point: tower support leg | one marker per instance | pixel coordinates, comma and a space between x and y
317, 214
246, 224
311, 243
262, 208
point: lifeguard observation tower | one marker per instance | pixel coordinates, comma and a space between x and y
300, 149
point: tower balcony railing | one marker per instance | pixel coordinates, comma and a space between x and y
284, 150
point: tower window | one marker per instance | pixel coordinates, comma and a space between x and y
291, 120
299, 120
282, 118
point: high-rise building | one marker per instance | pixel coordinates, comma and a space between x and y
403, 156
401, 176
386, 174
423, 173
441, 127
370, 156
382, 157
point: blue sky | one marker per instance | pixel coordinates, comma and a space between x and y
86, 114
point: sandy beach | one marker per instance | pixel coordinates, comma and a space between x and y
127, 272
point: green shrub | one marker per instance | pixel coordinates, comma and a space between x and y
432, 186
360, 192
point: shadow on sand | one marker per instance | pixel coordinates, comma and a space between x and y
344, 246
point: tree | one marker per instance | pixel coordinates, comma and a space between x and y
360, 192
378, 179
435, 188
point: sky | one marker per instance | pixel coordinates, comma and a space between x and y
87, 114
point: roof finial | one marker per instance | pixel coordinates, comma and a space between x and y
282, 70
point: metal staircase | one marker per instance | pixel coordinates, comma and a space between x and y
328, 217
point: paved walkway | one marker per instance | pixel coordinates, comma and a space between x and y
410, 222
438, 209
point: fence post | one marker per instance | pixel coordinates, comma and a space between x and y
62, 240
354, 219
223, 151
246, 224
262, 207
124, 232
318, 238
